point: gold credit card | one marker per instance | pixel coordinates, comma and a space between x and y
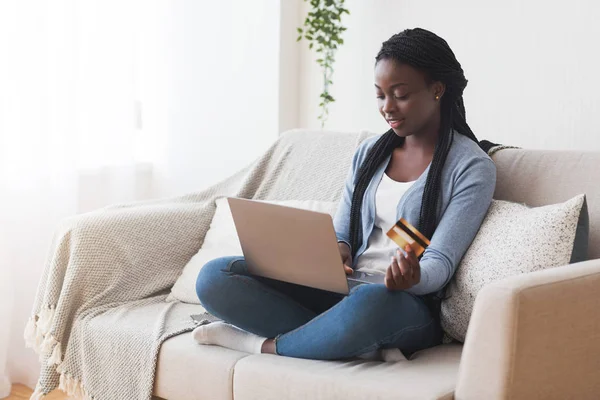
404, 233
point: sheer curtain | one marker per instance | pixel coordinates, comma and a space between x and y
71, 138
107, 101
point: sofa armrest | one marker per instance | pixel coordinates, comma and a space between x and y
535, 336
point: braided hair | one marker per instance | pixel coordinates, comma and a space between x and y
431, 54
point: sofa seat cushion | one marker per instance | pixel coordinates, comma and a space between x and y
188, 370
430, 374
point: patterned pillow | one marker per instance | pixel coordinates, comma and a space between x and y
222, 240
514, 239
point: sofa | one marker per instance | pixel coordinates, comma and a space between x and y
532, 336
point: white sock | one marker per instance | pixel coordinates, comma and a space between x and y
226, 335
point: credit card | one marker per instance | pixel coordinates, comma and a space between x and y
404, 233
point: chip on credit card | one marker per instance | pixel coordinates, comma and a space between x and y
404, 233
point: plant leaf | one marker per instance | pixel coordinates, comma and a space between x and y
324, 28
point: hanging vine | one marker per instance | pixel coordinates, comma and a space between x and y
323, 29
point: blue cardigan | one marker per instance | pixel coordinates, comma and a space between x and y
467, 186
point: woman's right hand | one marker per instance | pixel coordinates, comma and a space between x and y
346, 257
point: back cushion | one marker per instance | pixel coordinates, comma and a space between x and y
542, 177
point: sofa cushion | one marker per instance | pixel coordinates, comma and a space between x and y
222, 240
514, 239
431, 374
188, 370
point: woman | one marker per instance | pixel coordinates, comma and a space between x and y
430, 170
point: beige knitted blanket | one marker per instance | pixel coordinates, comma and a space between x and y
99, 315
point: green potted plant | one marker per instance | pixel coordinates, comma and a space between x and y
323, 29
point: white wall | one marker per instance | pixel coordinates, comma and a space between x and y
222, 88
532, 67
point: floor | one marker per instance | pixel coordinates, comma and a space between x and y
20, 392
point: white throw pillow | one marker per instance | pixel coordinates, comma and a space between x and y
222, 240
514, 239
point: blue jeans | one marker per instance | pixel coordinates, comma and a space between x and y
312, 323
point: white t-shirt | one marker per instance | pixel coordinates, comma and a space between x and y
380, 248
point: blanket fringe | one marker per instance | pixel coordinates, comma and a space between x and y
37, 336
46, 316
47, 345
73, 387
56, 356
37, 394
37, 331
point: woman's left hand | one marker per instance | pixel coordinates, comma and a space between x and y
403, 272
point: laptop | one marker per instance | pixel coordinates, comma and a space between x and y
293, 245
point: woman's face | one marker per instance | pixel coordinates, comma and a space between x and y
405, 99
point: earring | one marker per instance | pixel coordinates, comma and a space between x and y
437, 97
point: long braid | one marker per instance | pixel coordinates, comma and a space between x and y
429, 203
380, 150
427, 52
